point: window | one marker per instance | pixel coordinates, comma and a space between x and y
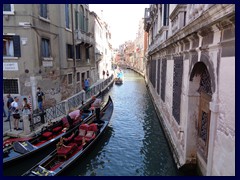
10, 86
87, 53
43, 11
88, 74
166, 15
11, 46
45, 45
81, 19
70, 51
67, 16
78, 51
70, 79
76, 20
78, 76
86, 24
8, 9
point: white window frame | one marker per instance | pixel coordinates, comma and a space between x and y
10, 57
10, 48
49, 46
43, 18
12, 12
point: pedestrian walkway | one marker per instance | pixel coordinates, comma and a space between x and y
20, 133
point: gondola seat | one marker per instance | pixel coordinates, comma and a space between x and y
65, 151
47, 135
82, 132
91, 132
57, 129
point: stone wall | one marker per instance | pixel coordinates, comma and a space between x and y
205, 47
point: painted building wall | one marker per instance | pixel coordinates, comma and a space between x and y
56, 75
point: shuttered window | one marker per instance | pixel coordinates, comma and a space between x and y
11, 46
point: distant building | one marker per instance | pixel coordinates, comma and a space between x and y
191, 75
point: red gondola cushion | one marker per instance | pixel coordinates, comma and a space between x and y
78, 139
91, 132
47, 134
57, 129
84, 127
82, 132
64, 151
73, 145
93, 127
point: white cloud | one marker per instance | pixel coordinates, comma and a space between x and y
123, 19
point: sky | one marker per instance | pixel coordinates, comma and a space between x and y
123, 20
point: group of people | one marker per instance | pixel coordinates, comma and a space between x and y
105, 73
14, 108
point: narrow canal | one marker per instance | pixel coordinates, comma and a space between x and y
134, 144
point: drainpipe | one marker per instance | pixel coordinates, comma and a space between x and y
74, 52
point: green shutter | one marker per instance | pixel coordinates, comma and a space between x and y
16, 46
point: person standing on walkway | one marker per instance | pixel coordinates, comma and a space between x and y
103, 74
40, 98
4, 112
107, 73
26, 108
86, 84
15, 111
97, 105
9, 101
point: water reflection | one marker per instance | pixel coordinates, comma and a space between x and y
135, 145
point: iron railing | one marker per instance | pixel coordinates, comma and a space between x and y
62, 108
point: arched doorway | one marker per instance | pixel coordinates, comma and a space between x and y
200, 85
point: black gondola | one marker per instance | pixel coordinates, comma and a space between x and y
16, 149
77, 145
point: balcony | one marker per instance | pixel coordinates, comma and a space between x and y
147, 20
84, 38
